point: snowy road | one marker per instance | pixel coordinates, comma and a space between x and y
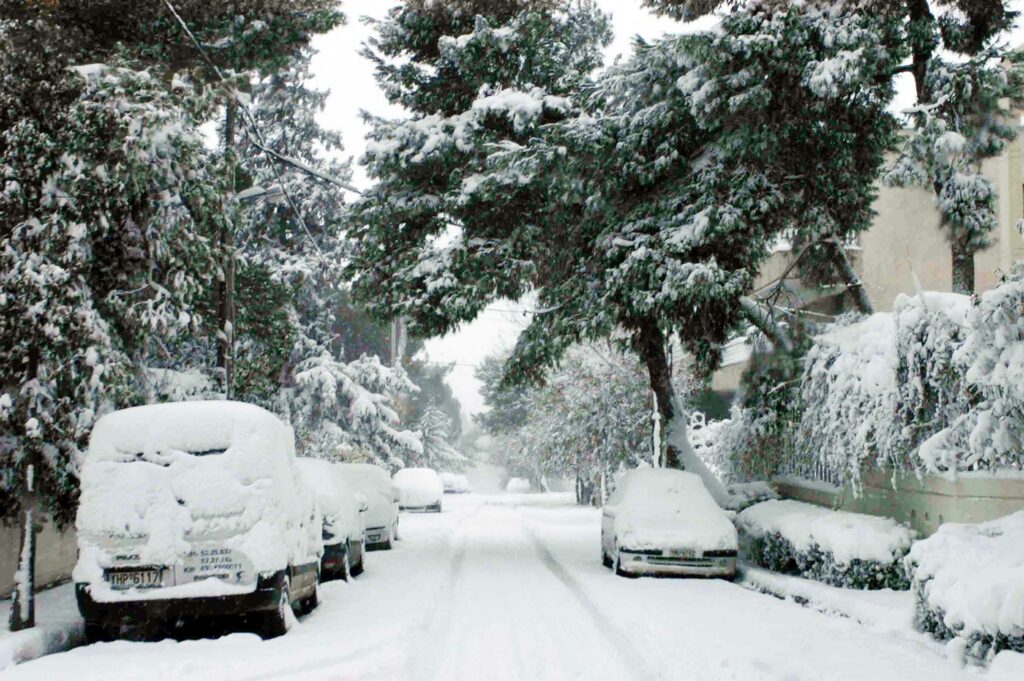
502, 588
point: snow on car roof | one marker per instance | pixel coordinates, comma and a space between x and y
198, 427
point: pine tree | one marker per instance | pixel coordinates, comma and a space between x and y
435, 429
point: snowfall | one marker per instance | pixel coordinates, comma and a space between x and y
510, 586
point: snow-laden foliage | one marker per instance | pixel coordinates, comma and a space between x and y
435, 428
967, 119
344, 410
592, 415
933, 386
107, 202
990, 364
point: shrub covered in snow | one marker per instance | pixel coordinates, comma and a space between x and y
968, 585
834, 547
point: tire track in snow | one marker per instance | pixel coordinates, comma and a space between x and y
612, 634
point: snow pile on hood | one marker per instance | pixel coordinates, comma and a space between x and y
162, 479
973, 576
339, 504
418, 487
661, 507
374, 483
847, 536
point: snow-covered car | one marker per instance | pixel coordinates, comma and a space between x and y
664, 522
419, 489
381, 495
454, 483
343, 511
518, 486
194, 509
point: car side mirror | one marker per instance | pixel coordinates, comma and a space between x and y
363, 506
609, 511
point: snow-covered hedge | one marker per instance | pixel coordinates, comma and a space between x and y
835, 547
968, 585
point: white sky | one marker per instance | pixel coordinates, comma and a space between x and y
339, 67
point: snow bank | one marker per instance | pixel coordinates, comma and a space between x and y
418, 487
167, 481
58, 628
969, 584
836, 547
659, 507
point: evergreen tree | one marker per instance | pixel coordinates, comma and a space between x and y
435, 429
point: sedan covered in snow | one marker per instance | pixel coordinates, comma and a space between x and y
194, 509
419, 489
664, 522
381, 495
343, 513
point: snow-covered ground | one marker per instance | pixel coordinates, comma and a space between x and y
511, 587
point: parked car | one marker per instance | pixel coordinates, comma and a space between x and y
455, 483
518, 486
194, 509
381, 495
419, 489
665, 522
343, 512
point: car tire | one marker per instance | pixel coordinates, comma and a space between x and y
310, 603
345, 570
605, 559
275, 622
356, 568
436, 508
617, 565
394, 533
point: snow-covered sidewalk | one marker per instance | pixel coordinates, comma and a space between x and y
58, 627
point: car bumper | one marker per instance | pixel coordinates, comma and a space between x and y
264, 598
377, 536
333, 558
639, 564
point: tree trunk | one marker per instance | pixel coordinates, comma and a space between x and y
854, 284
963, 265
649, 343
760, 317
23, 603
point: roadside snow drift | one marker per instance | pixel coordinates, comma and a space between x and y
835, 547
969, 584
161, 481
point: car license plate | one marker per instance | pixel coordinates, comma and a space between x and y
682, 553
135, 579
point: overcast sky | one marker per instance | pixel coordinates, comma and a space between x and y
339, 68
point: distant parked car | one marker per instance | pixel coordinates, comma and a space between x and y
455, 483
194, 509
664, 522
381, 495
343, 512
518, 486
419, 489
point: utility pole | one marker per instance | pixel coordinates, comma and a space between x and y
226, 286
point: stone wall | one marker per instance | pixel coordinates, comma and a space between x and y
56, 553
923, 503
